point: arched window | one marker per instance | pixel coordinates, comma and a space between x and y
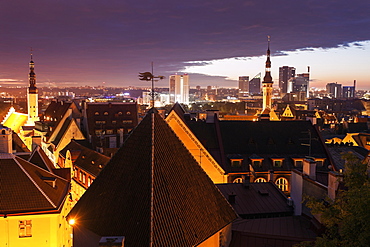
238, 180
282, 183
106, 113
260, 180
96, 113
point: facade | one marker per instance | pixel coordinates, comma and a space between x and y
243, 84
106, 125
34, 200
348, 92
255, 84
334, 89
301, 84
285, 74
179, 88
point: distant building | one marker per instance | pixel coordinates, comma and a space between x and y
243, 83
348, 92
179, 89
301, 84
334, 89
255, 84
267, 83
285, 73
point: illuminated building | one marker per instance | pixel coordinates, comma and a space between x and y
179, 88
334, 89
32, 96
285, 73
243, 84
267, 83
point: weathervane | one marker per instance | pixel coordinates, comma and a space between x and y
149, 76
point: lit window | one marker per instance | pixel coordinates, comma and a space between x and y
120, 113
25, 228
99, 122
238, 180
96, 113
89, 181
298, 163
83, 178
128, 113
106, 113
127, 121
282, 184
114, 122
109, 132
80, 175
260, 180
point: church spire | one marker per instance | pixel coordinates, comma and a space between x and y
267, 81
32, 76
268, 77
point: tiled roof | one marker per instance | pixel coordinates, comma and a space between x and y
40, 159
18, 144
153, 190
86, 158
62, 131
257, 200
56, 110
15, 121
337, 152
265, 139
26, 188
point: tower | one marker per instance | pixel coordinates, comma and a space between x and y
5, 140
267, 82
179, 88
32, 96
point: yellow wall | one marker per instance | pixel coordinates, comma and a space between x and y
48, 230
200, 154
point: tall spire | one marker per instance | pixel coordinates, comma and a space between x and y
32, 76
268, 77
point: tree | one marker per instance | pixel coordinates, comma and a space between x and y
347, 218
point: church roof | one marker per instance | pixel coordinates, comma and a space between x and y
27, 188
153, 191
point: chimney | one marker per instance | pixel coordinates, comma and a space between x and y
334, 179
36, 141
309, 168
112, 241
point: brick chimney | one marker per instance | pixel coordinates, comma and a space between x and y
309, 168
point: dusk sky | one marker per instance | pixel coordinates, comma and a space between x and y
82, 42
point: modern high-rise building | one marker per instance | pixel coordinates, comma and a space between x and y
255, 84
179, 88
334, 89
348, 92
301, 83
285, 73
243, 83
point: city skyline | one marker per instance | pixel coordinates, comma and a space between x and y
109, 43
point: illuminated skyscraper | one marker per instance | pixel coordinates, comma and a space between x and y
255, 84
243, 83
334, 89
285, 73
179, 89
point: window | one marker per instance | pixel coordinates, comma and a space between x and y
298, 163
257, 162
278, 163
96, 113
80, 175
128, 113
83, 178
114, 122
99, 122
89, 181
127, 121
282, 184
120, 113
238, 180
106, 113
236, 163
109, 132
25, 228
319, 162
260, 180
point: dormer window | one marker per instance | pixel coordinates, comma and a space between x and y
298, 162
277, 162
236, 162
319, 162
260, 180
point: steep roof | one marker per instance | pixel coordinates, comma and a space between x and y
26, 188
40, 159
153, 191
86, 158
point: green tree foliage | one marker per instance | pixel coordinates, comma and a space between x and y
347, 219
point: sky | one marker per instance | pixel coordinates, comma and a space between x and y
94, 42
